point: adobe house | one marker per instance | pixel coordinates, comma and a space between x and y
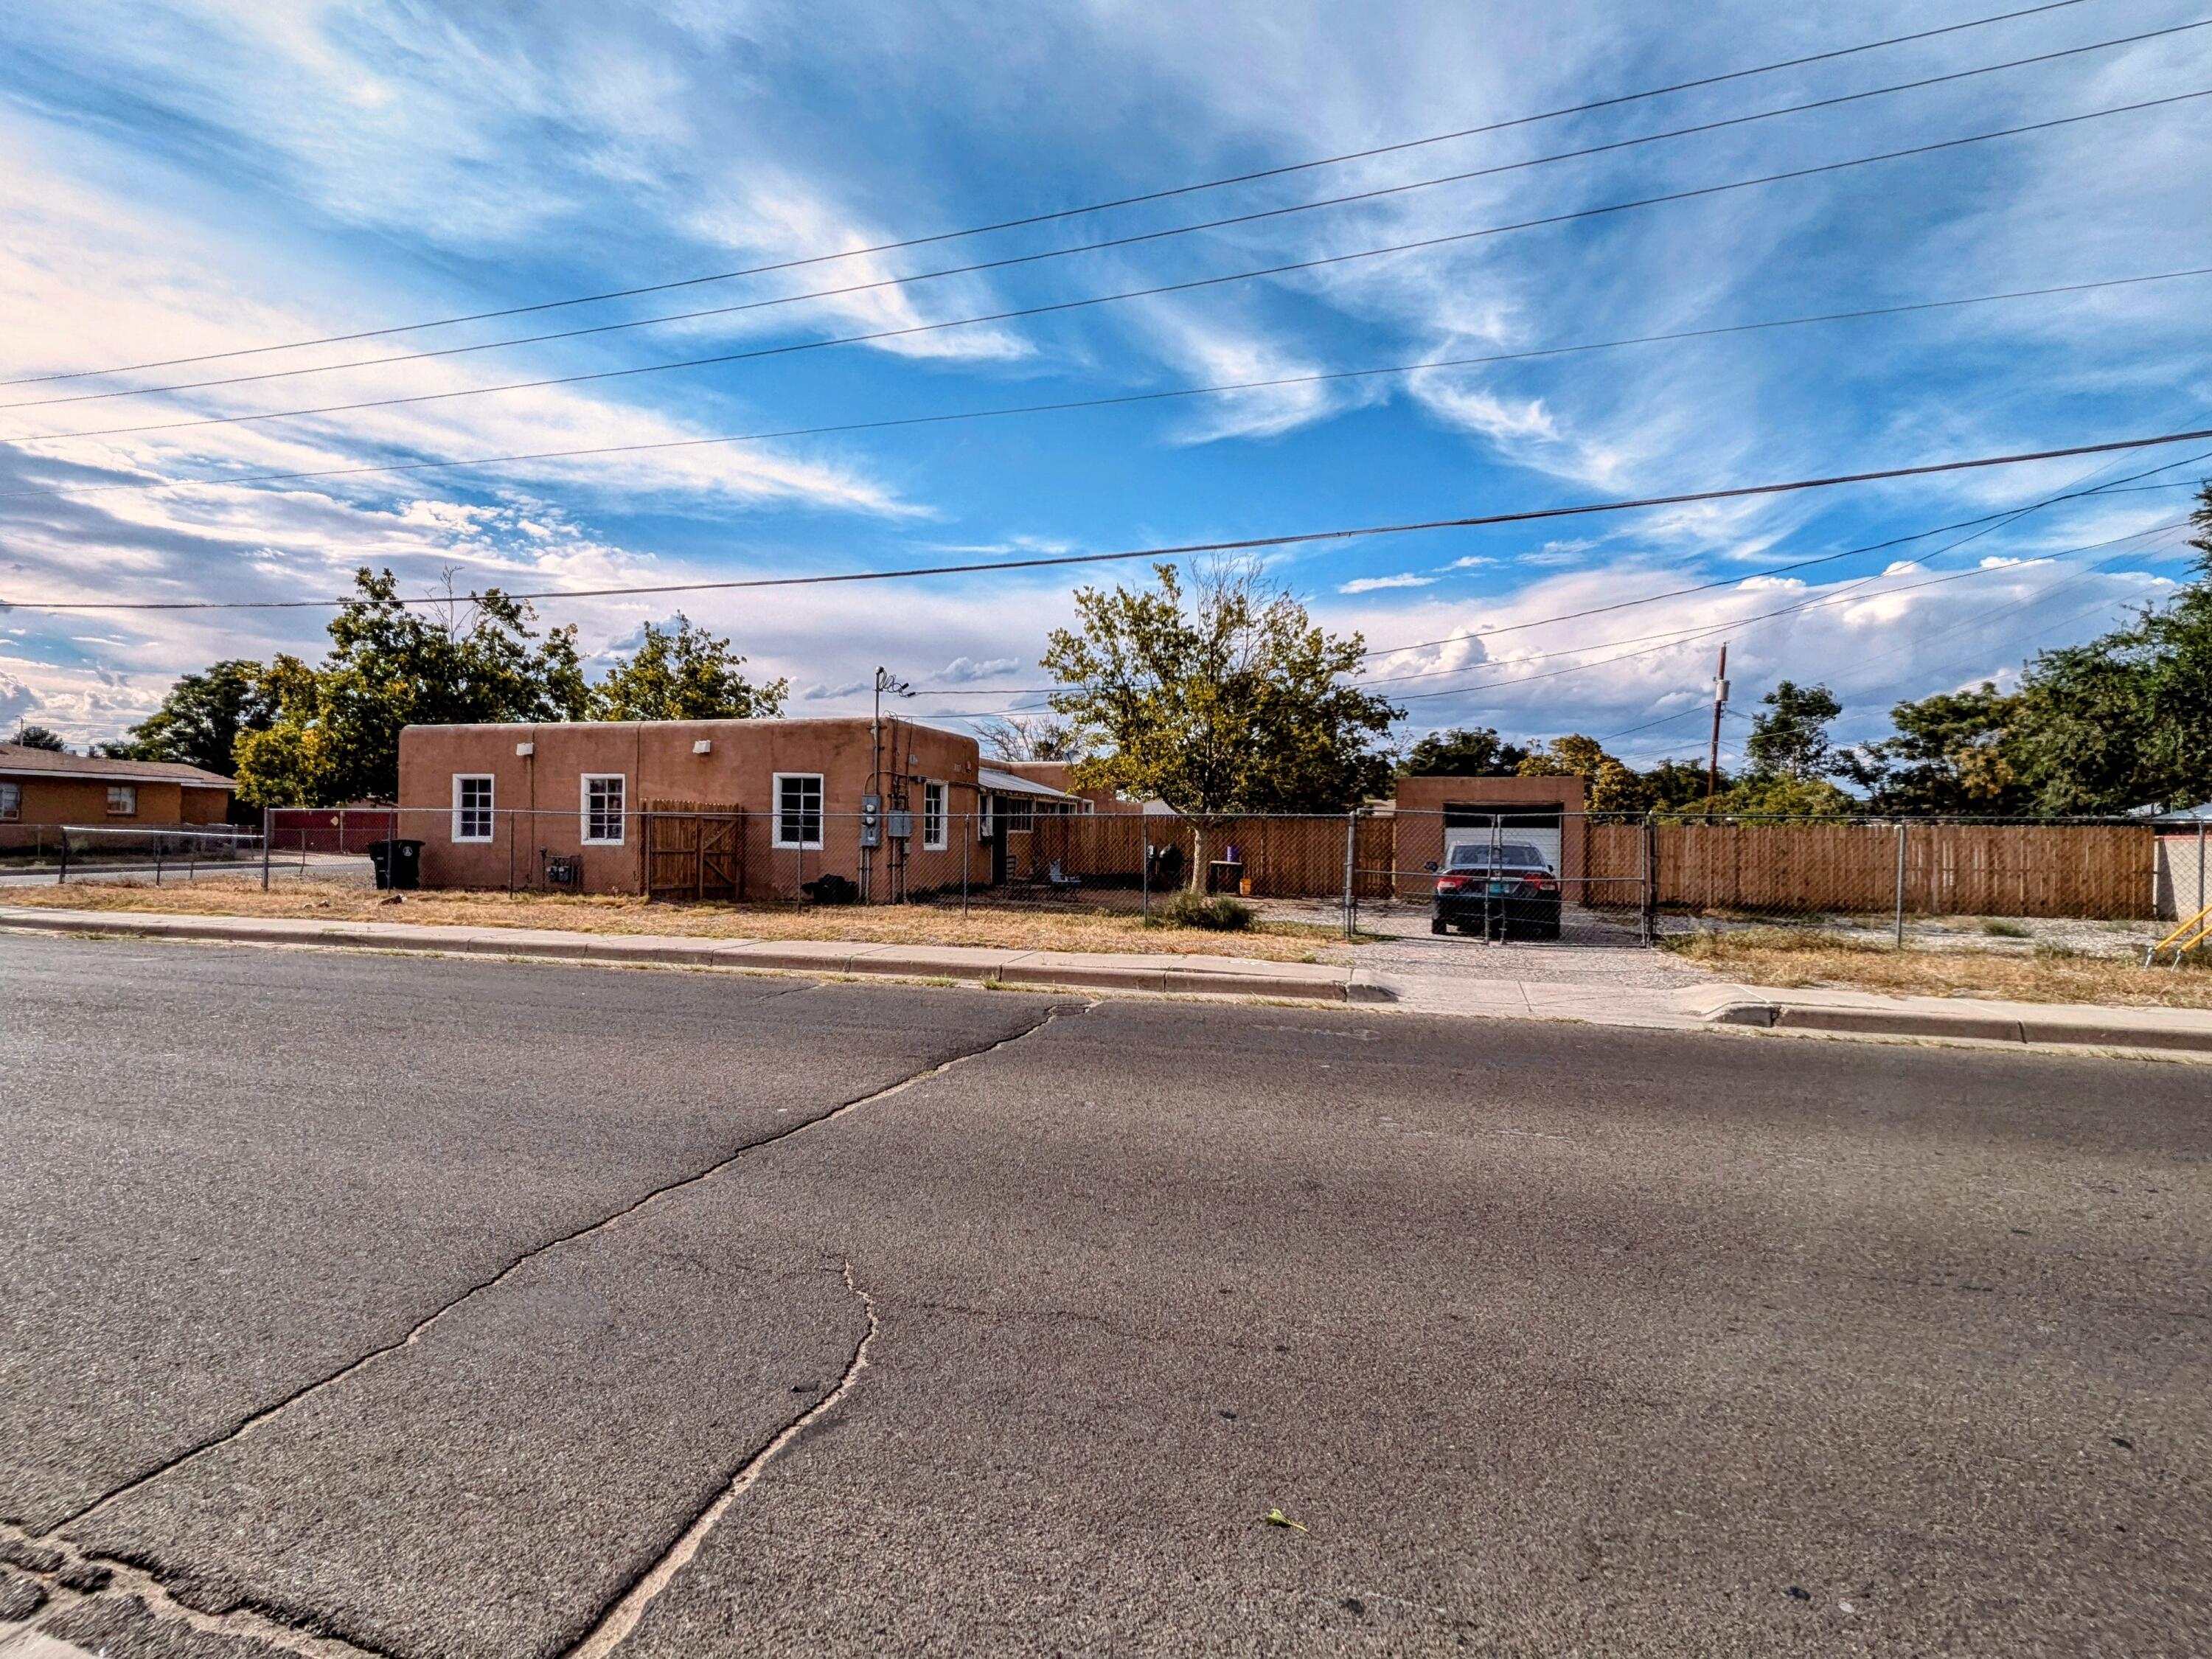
1547, 813
727, 808
41, 789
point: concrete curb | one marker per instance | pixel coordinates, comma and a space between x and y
1067, 970
2170, 1030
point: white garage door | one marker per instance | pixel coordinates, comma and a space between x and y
1462, 826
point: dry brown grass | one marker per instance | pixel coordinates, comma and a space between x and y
1777, 956
1009, 929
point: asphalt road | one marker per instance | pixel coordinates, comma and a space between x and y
483, 1309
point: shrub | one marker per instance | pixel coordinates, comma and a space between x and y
1997, 927
1216, 916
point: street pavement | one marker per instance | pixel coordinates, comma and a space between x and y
473, 1308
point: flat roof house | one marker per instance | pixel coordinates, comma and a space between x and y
715, 809
41, 788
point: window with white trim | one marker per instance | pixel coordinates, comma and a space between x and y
798, 809
11, 802
471, 807
603, 808
984, 828
932, 817
123, 800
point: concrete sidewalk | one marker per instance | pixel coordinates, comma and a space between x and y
1198, 975
1696, 1007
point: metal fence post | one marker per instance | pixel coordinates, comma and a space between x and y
1351, 849
1144, 870
1650, 862
157, 858
63, 878
268, 823
1900, 883
967, 846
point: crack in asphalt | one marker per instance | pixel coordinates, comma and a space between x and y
147, 1583
124, 1582
622, 1615
621, 1619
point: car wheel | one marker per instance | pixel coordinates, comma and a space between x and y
1438, 924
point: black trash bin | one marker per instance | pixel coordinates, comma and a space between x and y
398, 863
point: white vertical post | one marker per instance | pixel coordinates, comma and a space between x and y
1900, 883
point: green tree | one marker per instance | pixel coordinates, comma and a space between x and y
41, 737
684, 673
1224, 700
1777, 794
1464, 752
1948, 755
1790, 739
1611, 785
1676, 783
201, 719
336, 737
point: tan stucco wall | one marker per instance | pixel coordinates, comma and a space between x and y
48, 801
1421, 804
656, 760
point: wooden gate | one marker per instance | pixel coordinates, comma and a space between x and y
693, 851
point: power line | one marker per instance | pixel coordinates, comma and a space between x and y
1718, 628
1070, 404
1989, 519
1244, 545
1067, 213
1128, 240
1317, 263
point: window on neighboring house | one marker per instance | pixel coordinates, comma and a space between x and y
1021, 812
932, 817
984, 827
123, 800
798, 809
11, 802
603, 809
471, 808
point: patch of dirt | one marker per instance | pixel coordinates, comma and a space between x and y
1782, 956
1002, 927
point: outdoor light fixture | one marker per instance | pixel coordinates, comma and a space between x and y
704, 746
525, 751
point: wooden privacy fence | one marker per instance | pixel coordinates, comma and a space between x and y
1282, 857
2105, 872
693, 851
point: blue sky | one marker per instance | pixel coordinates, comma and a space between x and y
181, 179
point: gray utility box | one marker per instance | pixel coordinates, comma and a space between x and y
899, 824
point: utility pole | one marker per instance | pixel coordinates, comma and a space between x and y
871, 808
1720, 704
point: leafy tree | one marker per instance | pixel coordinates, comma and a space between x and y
1790, 740
1029, 738
1464, 752
41, 737
1224, 700
684, 673
1675, 783
1948, 755
201, 719
337, 734
1777, 794
1612, 785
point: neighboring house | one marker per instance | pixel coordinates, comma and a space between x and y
41, 788
751, 808
2184, 861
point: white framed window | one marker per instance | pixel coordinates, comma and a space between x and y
123, 800
985, 829
604, 797
11, 802
798, 809
932, 817
1021, 815
471, 807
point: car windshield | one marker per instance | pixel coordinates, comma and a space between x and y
1508, 855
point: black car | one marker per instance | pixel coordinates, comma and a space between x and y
1498, 890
